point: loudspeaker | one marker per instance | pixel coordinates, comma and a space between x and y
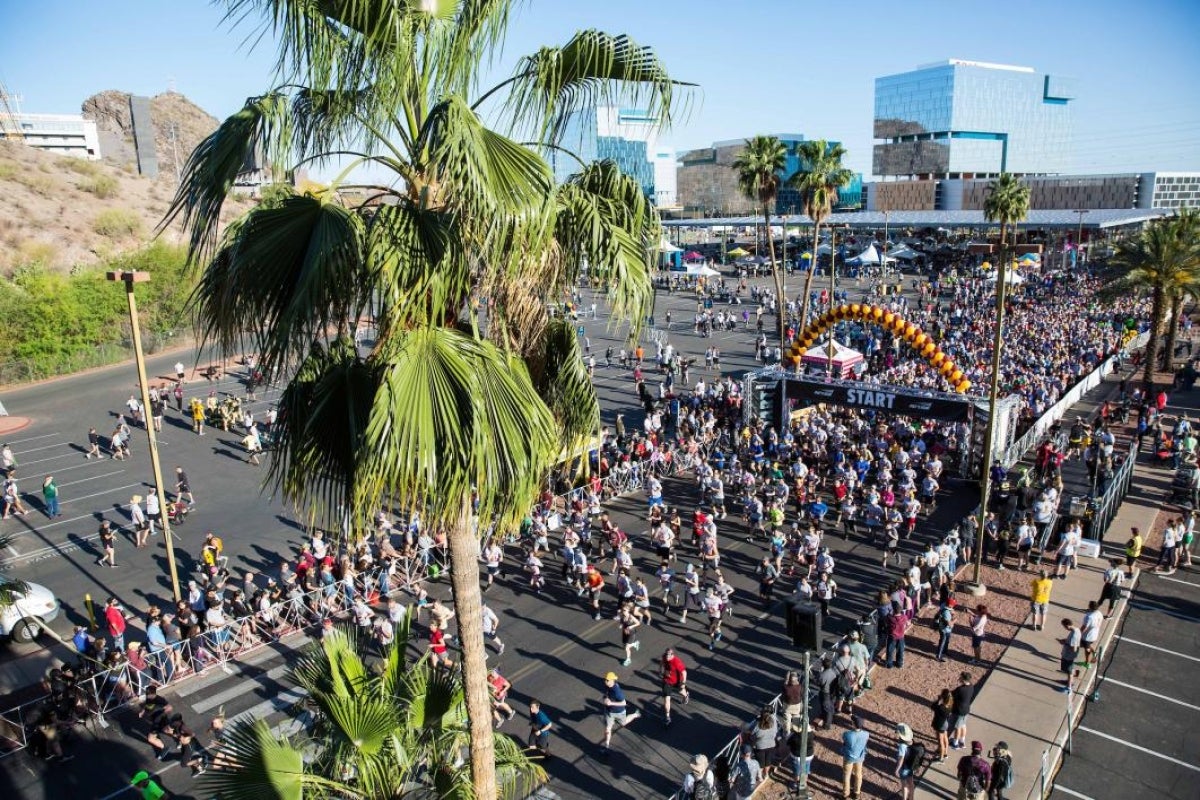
804, 624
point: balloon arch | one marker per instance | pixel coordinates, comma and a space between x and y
917, 339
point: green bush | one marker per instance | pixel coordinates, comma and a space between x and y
103, 186
117, 223
56, 323
80, 165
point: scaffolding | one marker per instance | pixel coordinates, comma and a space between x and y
10, 129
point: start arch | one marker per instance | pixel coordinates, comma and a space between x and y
917, 339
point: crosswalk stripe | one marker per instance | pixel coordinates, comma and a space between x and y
243, 686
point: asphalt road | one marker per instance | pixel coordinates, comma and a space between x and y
1139, 739
555, 649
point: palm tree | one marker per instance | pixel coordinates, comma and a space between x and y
759, 170
388, 730
1164, 259
820, 176
1007, 202
461, 406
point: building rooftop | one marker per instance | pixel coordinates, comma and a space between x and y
1094, 219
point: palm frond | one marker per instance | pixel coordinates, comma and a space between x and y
759, 168
252, 764
453, 414
287, 276
820, 176
560, 377
593, 69
260, 131
605, 222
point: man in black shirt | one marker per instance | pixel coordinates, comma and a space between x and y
963, 694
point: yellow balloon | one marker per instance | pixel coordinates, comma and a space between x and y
855, 309
937, 358
877, 313
889, 318
947, 367
928, 349
920, 339
962, 387
910, 331
956, 376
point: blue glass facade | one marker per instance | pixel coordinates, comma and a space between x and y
586, 136
962, 119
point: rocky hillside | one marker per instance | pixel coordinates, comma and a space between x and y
65, 212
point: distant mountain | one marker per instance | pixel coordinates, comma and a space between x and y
169, 112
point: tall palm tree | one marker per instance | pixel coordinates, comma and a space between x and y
820, 176
759, 170
1164, 259
373, 731
1007, 202
461, 406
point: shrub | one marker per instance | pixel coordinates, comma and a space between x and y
117, 223
32, 251
38, 184
80, 165
103, 186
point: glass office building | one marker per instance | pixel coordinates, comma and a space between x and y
967, 119
626, 136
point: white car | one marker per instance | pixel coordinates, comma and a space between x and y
35, 607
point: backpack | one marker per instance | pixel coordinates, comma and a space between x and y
1010, 774
704, 788
945, 620
914, 757
974, 785
741, 780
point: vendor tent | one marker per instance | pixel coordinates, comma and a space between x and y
692, 255
737, 252
844, 359
870, 256
904, 253
1012, 277
701, 270
665, 246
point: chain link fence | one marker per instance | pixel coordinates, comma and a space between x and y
14, 373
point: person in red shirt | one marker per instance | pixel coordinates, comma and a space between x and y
437, 646
674, 681
114, 616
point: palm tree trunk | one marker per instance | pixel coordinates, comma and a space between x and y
812, 270
468, 605
1157, 312
781, 301
1172, 332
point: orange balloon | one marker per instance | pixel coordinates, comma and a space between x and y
877, 313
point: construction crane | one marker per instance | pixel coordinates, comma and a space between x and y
9, 127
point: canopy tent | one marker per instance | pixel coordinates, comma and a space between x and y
870, 256
1012, 277
666, 247
737, 252
844, 359
701, 270
1028, 258
904, 253
692, 255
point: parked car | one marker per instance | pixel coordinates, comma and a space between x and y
34, 607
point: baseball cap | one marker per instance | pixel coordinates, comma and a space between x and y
977, 747
904, 733
612, 676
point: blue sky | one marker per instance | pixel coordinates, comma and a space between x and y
762, 67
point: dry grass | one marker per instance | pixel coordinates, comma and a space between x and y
117, 223
102, 186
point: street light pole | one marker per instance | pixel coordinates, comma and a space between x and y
833, 229
802, 784
129, 279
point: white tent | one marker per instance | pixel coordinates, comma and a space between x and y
870, 256
701, 270
843, 362
666, 247
905, 253
1013, 278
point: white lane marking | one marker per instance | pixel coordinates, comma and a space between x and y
93, 478
221, 698
1139, 748
1160, 610
32, 438
84, 465
1176, 580
1071, 792
56, 458
47, 447
1159, 649
13, 550
1152, 694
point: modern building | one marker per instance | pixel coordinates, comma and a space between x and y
707, 182
968, 119
626, 136
1051, 192
64, 134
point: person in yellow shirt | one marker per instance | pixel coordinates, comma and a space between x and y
1133, 549
1040, 596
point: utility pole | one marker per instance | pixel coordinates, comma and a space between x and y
129, 279
802, 792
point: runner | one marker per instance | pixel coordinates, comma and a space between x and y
491, 623
629, 624
137, 517
499, 687
183, 487
107, 545
616, 714
673, 674
539, 728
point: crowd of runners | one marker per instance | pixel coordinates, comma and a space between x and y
866, 476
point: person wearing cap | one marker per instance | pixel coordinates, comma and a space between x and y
854, 753
1002, 771
616, 714
699, 781
148, 787
746, 775
137, 517
974, 774
908, 758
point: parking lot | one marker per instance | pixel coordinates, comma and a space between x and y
1141, 738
